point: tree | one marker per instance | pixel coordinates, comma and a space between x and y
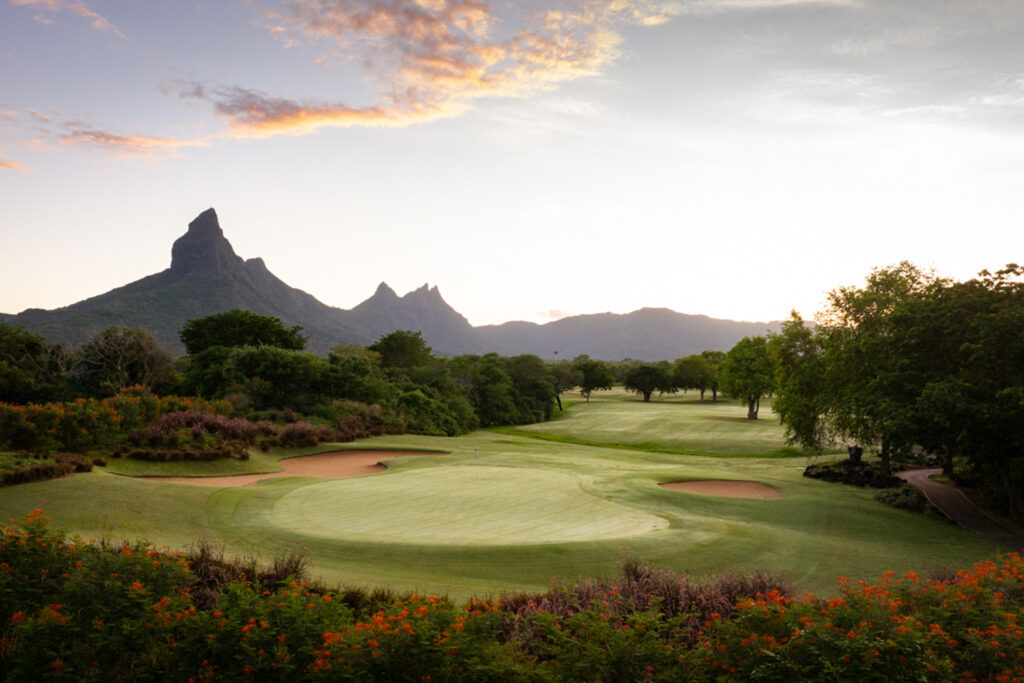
692, 372
594, 375
961, 349
648, 378
402, 350
238, 328
532, 386
715, 360
31, 370
118, 358
564, 376
355, 373
748, 373
800, 398
870, 386
491, 392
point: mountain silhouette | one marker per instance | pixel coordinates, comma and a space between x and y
206, 276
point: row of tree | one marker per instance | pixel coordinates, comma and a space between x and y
258, 363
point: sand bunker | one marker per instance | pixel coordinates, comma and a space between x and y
725, 488
322, 465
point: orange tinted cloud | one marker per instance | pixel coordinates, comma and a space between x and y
431, 58
128, 145
96, 20
12, 165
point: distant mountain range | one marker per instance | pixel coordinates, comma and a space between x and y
207, 277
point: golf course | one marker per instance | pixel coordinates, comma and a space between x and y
519, 508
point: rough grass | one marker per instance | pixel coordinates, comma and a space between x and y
435, 524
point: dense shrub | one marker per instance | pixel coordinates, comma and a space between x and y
200, 428
82, 611
90, 424
854, 473
302, 434
910, 498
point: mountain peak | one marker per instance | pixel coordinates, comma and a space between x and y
203, 247
384, 290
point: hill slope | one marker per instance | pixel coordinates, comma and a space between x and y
207, 277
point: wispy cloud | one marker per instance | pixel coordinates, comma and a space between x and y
430, 59
126, 146
12, 165
96, 20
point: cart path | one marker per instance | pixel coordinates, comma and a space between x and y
958, 507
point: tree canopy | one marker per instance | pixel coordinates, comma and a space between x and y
647, 378
402, 350
748, 373
594, 375
238, 328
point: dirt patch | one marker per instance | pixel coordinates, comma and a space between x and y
725, 488
321, 465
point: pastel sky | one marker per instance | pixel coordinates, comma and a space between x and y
735, 158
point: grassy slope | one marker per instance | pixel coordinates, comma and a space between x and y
517, 515
674, 424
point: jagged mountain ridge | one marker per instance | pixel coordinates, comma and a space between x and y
206, 276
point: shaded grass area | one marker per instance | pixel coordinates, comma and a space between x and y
434, 524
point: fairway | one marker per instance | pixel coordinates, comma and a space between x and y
669, 423
506, 510
481, 506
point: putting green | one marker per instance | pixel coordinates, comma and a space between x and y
480, 505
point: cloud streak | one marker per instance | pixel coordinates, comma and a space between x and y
127, 146
429, 59
11, 165
96, 20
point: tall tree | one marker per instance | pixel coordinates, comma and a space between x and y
748, 373
800, 398
870, 387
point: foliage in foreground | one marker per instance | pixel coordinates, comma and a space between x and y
85, 611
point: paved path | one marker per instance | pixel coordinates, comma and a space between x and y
954, 504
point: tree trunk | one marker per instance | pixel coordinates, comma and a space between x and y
885, 458
701, 395
1013, 496
753, 403
647, 396
558, 399
856, 452
714, 395
588, 396
947, 461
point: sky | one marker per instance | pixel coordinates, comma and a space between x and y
733, 158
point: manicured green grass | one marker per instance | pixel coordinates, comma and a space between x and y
528, 509
672, 423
